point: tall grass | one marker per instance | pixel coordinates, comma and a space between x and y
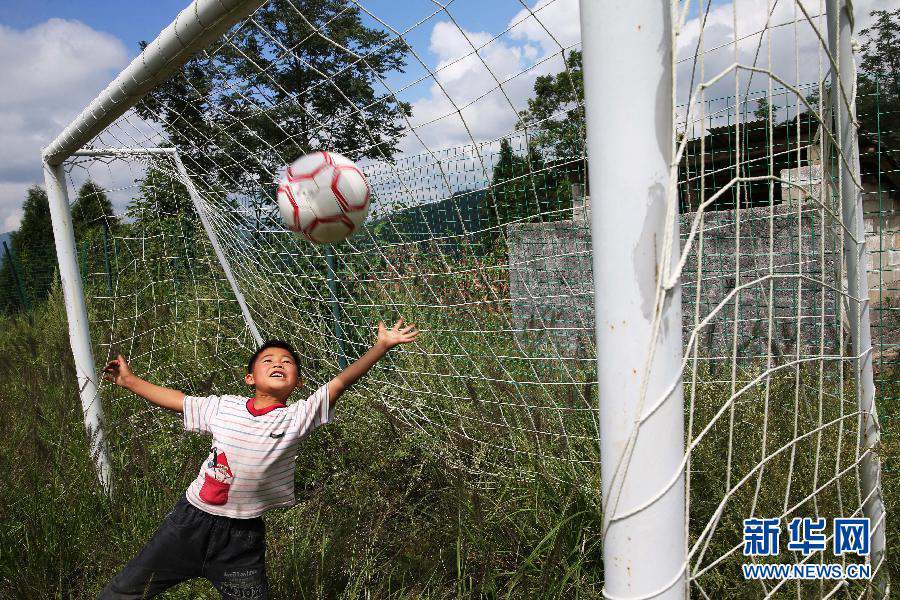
378, 515
388, 508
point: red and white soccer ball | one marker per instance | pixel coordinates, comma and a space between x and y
324, 196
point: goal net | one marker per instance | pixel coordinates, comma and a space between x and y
473, 144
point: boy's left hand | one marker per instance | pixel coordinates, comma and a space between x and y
387, 339
396, 334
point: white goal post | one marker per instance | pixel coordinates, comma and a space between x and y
638, 320
195, 27
843, 76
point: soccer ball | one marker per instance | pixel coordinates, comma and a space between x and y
324, 196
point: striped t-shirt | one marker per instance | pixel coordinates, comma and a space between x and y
250, 468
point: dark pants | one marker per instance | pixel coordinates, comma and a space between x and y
190, 543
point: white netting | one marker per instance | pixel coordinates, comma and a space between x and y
766, 293
473, 146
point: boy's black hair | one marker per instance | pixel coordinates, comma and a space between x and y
273, 344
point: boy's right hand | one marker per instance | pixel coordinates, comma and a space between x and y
118, 371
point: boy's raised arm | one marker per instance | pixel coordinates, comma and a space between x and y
387, 339
118, 371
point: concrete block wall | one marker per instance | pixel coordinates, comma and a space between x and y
551, 288
881, 212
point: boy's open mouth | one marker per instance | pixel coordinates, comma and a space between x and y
278, 374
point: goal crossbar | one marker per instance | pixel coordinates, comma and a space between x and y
192, 30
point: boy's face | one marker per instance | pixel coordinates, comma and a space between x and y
274, 372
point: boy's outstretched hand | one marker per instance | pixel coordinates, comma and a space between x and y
117, 371
396, 334
387, 339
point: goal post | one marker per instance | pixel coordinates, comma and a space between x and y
856, 258
628, 53
194, 28
86, 374
73, 288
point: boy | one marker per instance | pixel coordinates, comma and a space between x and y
215, 530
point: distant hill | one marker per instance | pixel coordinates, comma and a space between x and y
447, 220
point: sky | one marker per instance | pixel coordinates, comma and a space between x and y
56, 55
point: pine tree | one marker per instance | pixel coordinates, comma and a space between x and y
11, 290
33, 248
878, 96
523, 189
92, 209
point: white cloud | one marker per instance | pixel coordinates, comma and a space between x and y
533, 44
468, 82
49, 72
791, 52
552, 24
12, 220
478, 96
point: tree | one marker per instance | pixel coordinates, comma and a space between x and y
556, 111
10, 281
510, 188
878, 96
762, 109
321, 95
162, 196
523, 189
33, 249
92, 209
183, 106
538, 185
163, 214
304, 79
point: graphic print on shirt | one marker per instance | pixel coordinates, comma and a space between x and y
217, 479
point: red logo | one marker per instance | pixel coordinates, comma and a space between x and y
217, 479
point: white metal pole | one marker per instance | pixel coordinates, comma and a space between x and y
76, 311
214, 240
843, 94
628, 85
627, 53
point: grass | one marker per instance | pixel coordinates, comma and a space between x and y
388, 507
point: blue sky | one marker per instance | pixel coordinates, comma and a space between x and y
135, 20
56, 55
129, 20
